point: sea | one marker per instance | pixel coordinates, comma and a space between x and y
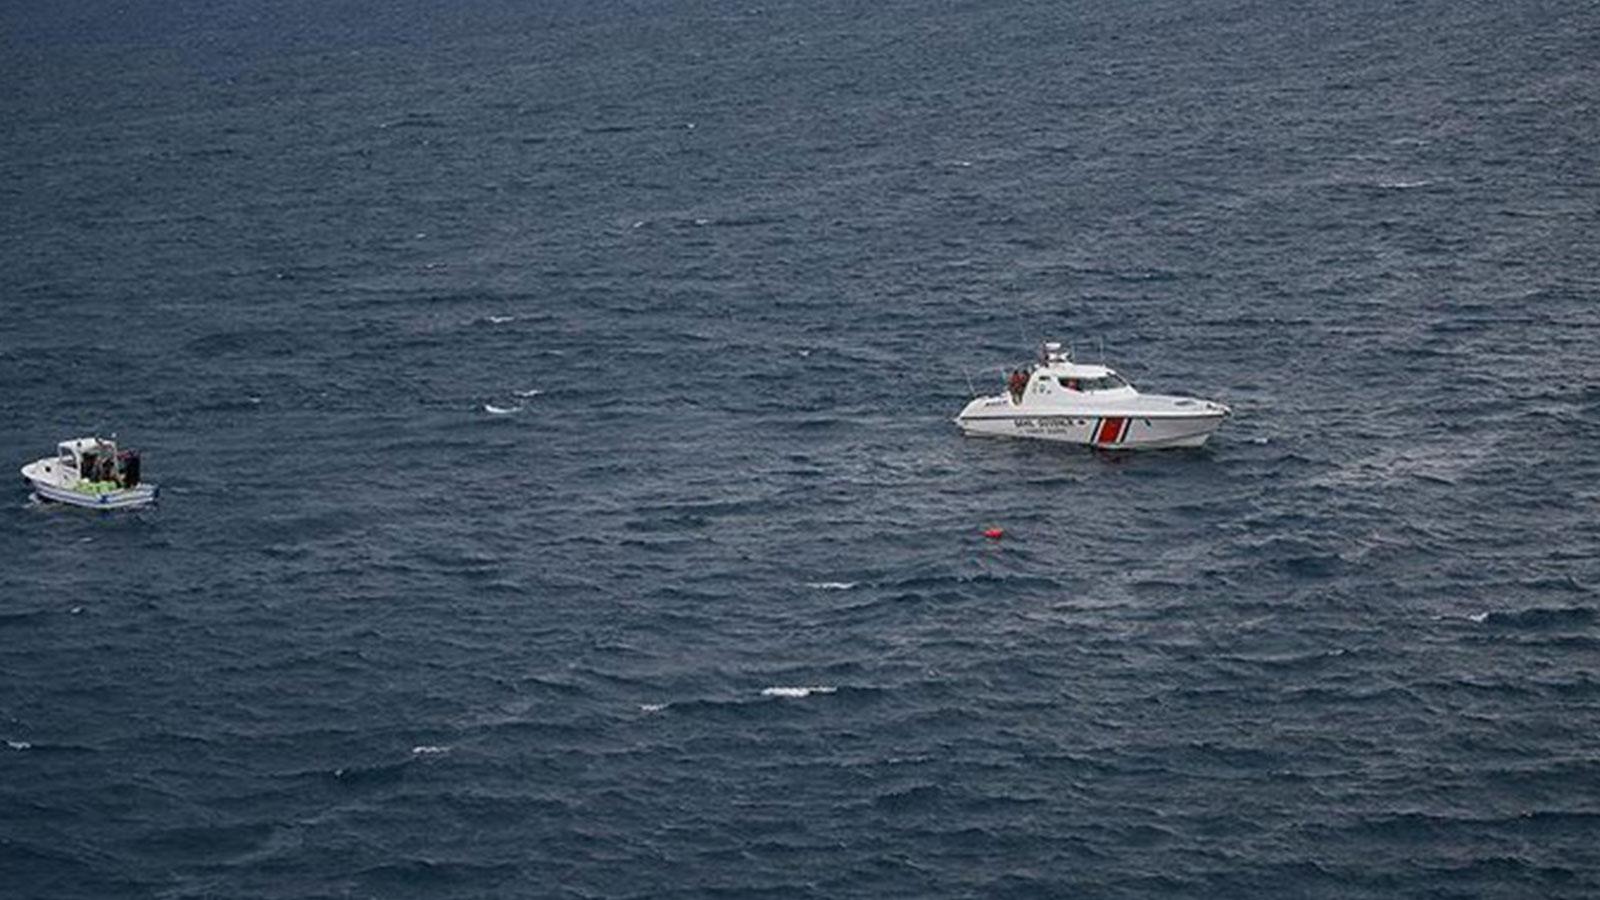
551, 405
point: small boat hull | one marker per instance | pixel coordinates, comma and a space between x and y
142, 495
58, 483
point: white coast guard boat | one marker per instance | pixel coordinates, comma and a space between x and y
1057, 399
90, 472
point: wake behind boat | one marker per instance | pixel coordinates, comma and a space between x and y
1057, 399
90, 472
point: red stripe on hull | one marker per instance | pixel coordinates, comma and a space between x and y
1111, 431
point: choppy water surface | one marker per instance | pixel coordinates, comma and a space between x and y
551, 403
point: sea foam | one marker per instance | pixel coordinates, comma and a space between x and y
796, 692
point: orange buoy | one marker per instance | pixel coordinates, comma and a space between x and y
995, 534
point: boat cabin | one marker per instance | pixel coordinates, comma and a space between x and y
94, 459
1056, 374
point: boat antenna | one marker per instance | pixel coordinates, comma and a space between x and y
968, 374
1102, 340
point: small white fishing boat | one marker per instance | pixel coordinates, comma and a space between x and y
1057, 399
90, 472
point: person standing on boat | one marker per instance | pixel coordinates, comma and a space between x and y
1018, 383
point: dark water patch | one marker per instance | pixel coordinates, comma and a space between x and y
920, 799
615, 128
493, 809
1293, 662
434, 874
252, 341
1428, 827
1540, 618
365, 777
1553, 775
1581, 688
414, 120
28, 618
206, 842
1503, 869
1391, 697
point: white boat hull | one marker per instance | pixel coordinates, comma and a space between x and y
1109, 432
142, 495
51, 483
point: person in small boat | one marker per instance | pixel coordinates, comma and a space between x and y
1072, 384
128, 468
1017, 383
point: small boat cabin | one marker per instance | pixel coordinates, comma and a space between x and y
95, 459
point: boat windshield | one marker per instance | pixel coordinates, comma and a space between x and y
1109, 382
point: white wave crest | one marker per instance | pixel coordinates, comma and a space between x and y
1404, 185
530, 392
428, 750
652, 707
832, 585
493, 410
797, 692
500, 320
18, 745
1480, 618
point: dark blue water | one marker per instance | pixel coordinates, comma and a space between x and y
377, 641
